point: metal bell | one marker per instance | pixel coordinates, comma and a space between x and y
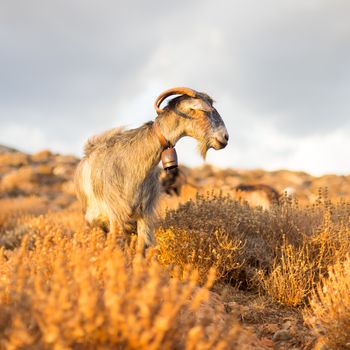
169, 158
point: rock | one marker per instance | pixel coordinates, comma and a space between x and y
286, 325
320, 345
324, 347
13, 159
42, 156
68, 159
267, 342
281, 335
63, 170
270, 328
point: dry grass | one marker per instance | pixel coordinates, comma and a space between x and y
81, 291
182, 248
284, 250
256, 234
66, 287
298, 267
329, 311
15, 159
289, 252
292, 276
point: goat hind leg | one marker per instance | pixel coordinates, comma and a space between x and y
122, 229
145, 233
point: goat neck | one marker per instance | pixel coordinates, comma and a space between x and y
171, 126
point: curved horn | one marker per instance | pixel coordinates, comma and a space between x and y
173, 91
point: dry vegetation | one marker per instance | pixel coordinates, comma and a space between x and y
225, 274
82, 291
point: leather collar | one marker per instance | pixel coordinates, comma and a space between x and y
163, 141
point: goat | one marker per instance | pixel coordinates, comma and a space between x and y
117, 181
258, 195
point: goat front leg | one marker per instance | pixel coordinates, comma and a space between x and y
145, 232
116, 231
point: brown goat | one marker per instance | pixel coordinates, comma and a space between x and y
117, 181
261, 195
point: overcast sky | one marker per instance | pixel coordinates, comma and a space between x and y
279, 71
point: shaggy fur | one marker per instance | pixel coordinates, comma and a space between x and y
117, 181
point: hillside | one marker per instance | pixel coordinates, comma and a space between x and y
50, 177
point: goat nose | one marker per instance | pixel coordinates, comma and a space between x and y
223, 136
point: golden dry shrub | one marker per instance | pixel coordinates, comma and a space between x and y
21, 217
31, 179
330, 242
182, 248
292, 276
298, 267
329, 311
13, 159
283, 251
21, 179
42, 156
82, 291
219, 226
14, 216
15, 207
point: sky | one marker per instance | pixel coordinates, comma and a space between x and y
279, 72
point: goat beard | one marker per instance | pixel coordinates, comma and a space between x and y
203, 149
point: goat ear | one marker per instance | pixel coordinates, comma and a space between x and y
197, 104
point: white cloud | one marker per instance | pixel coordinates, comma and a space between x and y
320, 154
31, 139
